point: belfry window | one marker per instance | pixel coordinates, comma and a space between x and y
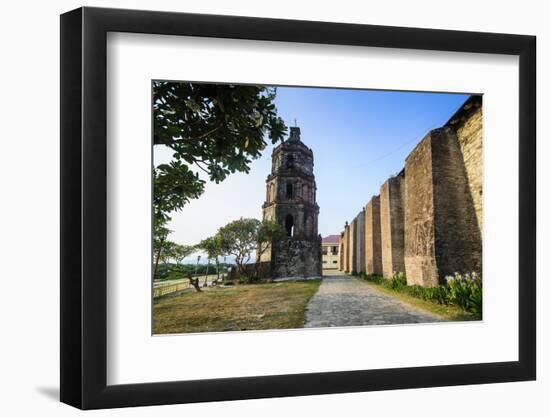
289, 191
289, 225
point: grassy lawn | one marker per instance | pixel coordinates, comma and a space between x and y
279, 305
451, 313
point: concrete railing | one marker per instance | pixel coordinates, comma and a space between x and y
168, 289
161, 288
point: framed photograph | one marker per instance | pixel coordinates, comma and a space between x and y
257, 208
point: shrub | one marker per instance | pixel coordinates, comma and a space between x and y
246, 280
377, 279
169, 271
439, 294
398, 281
162, 271
466, 292
435, 294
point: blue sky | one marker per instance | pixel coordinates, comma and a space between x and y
358, 137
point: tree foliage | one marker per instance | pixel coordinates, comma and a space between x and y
160, 236
218, 129
213, 246
269, 232
175, 185
242, 237
180, 252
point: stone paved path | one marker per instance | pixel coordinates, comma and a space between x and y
343, 300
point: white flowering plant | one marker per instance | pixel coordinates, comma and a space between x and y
466, 291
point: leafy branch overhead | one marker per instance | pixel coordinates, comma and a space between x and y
213, 128
175, 185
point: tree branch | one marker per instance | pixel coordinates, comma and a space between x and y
176, 141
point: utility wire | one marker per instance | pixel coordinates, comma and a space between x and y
390, 153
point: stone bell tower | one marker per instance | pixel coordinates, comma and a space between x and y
290, 201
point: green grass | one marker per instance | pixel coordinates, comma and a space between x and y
448, 312
279, 305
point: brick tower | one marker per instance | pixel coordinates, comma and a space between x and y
290, 201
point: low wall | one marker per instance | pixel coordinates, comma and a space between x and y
169, 289
249, 271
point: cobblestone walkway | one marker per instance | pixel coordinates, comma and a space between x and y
348, 301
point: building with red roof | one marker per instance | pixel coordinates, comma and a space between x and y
330, 246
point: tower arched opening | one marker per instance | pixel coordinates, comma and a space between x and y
289, 225
289, 191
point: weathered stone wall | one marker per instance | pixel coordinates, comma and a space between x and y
344, 265
469, 130
457, 235
297, 258
392, 226
262, 269
348, 245
345, 248
420, 265
428, 220
352, 245
440, 221
341, 249
373, 248
360, 243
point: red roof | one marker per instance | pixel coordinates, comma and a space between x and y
331, 239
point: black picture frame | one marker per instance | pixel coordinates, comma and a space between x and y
84, 207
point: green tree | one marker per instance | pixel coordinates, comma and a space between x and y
168, 252
174, 186
217, 129
180, 252
213, 246
268, 233
194, 280
160, 235
242, 237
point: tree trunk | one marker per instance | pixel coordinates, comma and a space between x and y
206, 276
217, 269
158, 256
196, 267
256, 269
240, 266
195, 283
